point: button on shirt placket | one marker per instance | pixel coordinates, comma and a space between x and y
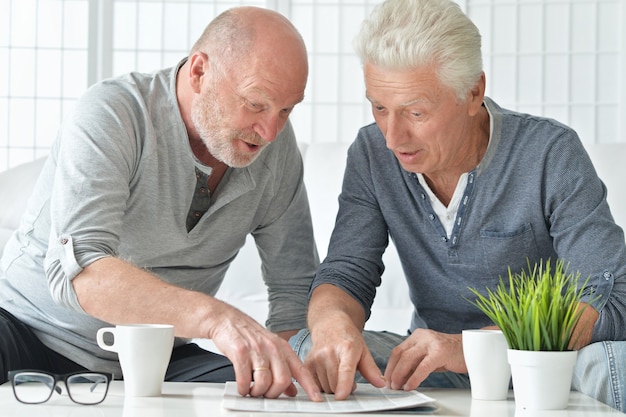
453, 240
431, 212
200, 201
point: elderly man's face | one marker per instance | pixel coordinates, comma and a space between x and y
423, 122
238, 114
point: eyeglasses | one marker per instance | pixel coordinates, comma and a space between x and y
36, 387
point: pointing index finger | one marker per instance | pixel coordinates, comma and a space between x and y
304, 378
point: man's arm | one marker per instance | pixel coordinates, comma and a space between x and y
584, 329
117, 292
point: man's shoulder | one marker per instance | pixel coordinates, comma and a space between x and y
519, 122
132, 85
371, 132
370, 143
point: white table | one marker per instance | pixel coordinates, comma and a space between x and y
186, 399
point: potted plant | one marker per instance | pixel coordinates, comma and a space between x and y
537, 310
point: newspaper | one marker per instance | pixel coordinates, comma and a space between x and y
365, 398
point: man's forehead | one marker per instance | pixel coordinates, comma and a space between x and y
409, 102
265, 91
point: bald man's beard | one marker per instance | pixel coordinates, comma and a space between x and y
207, 117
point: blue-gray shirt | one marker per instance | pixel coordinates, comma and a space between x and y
535, 195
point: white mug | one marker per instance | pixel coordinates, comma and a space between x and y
144, 352
485, 353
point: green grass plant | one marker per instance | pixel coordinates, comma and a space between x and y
536, 309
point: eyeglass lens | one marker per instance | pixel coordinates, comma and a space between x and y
33, 388
84, 388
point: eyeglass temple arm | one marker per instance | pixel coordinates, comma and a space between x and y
94, 385
55, 387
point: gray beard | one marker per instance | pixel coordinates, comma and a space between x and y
219, 141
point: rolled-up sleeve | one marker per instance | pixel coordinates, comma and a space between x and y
61, 268
611, 303
92, 171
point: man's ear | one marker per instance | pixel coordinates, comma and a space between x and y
476, 95
198, 66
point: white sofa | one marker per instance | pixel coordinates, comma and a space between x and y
324, 164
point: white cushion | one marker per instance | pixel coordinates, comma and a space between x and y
16, 186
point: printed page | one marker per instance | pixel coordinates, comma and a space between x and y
364, 399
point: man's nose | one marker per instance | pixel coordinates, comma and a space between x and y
269, 126
394, 131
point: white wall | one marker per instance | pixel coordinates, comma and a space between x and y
561, 58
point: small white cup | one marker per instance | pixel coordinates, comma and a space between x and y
144, 352
485, 353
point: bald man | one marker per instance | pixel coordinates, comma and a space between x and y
152, 186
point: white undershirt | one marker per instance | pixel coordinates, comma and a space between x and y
446, 214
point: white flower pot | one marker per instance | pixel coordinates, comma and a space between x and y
541, 380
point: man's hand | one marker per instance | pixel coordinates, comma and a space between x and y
336, 324
338, 352
260, 356
422, 353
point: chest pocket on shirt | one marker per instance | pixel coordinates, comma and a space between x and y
504, 249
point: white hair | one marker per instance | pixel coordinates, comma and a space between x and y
405, 34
